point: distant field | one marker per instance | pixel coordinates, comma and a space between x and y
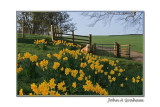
136, 41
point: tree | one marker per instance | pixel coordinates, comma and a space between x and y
39, 22
128, 18
25, 18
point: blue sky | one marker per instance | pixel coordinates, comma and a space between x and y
115, 28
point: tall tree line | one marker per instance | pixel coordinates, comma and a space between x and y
40, 22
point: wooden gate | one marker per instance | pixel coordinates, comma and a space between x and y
121, 50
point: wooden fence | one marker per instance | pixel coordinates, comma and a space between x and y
117, 51
121, 50
102, 49
56, 33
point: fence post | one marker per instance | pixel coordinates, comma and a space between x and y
52, 32
116, 49
94, 48
90, 40
118, 52
23, 29
129, 50
73, 35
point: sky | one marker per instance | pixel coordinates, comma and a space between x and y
114, 28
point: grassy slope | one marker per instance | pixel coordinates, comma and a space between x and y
26, 45
136, 41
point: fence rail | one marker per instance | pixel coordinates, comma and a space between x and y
81, 36
56, 33
103, 44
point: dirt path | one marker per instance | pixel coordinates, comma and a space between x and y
136, 56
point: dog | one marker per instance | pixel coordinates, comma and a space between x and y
86, 49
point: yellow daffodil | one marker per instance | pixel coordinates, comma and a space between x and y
133, 80
34, 58
21, 92
56, 65
112, 72
142, 79
122, 85
49, 55
74, 85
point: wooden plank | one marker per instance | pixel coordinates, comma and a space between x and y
81, 39
124, 54
81, 36
104, 44
123, 45
123, 50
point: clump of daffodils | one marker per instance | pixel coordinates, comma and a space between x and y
43, 64
64, 44
42, 44
40, 41
19, 69
45, 88
56, 65
94, 88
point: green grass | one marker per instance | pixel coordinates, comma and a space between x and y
133, 68
26, 45
136, 41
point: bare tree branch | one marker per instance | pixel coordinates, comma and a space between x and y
127, 18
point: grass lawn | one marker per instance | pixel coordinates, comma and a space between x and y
136, 41
133, 68
26, 45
